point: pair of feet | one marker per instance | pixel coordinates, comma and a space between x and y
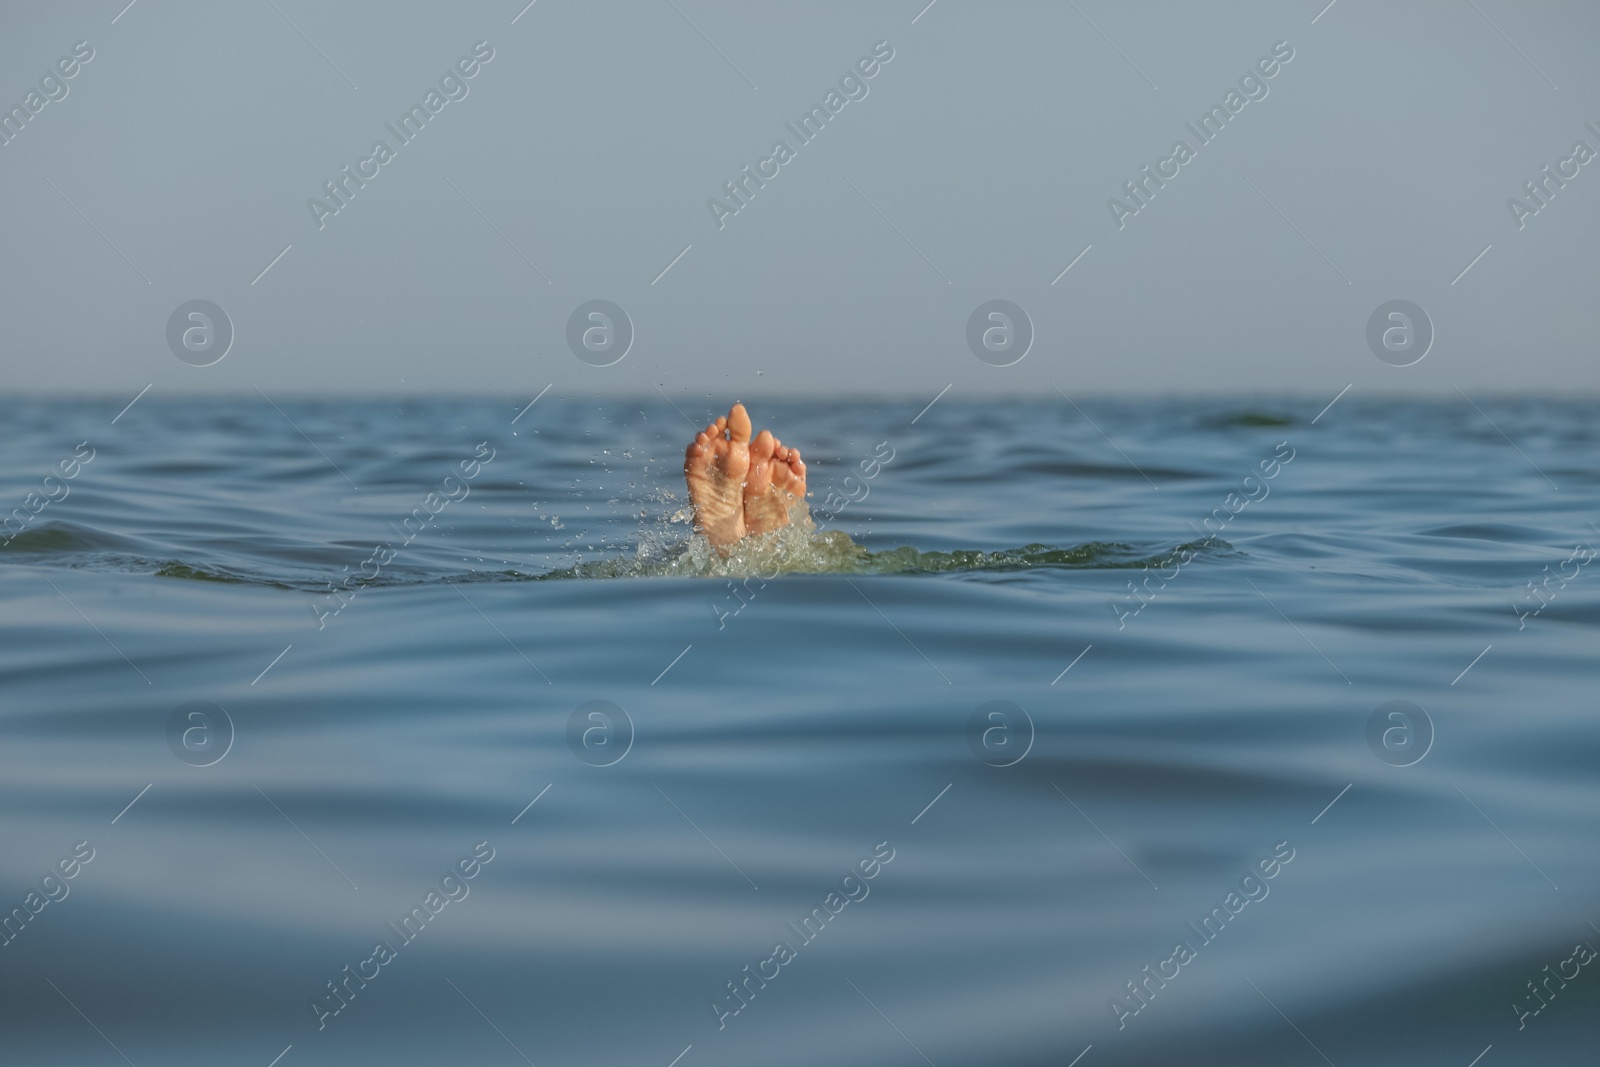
741, 487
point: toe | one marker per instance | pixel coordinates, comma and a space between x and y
759, 478
763, 448
738, 422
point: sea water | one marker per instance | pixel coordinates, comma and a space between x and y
421, 731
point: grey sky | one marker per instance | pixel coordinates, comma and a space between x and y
978, 166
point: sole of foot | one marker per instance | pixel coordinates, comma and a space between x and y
777, 480
717, 465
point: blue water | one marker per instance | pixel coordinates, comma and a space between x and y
411, 683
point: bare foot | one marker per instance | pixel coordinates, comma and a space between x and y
777, 479
715, 466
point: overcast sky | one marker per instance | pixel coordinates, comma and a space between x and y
977, 165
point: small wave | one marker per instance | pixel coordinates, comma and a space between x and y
1249, 418
799, 548
174, 569
63, 539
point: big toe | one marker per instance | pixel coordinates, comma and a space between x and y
763, 447
762, 463
739, 424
